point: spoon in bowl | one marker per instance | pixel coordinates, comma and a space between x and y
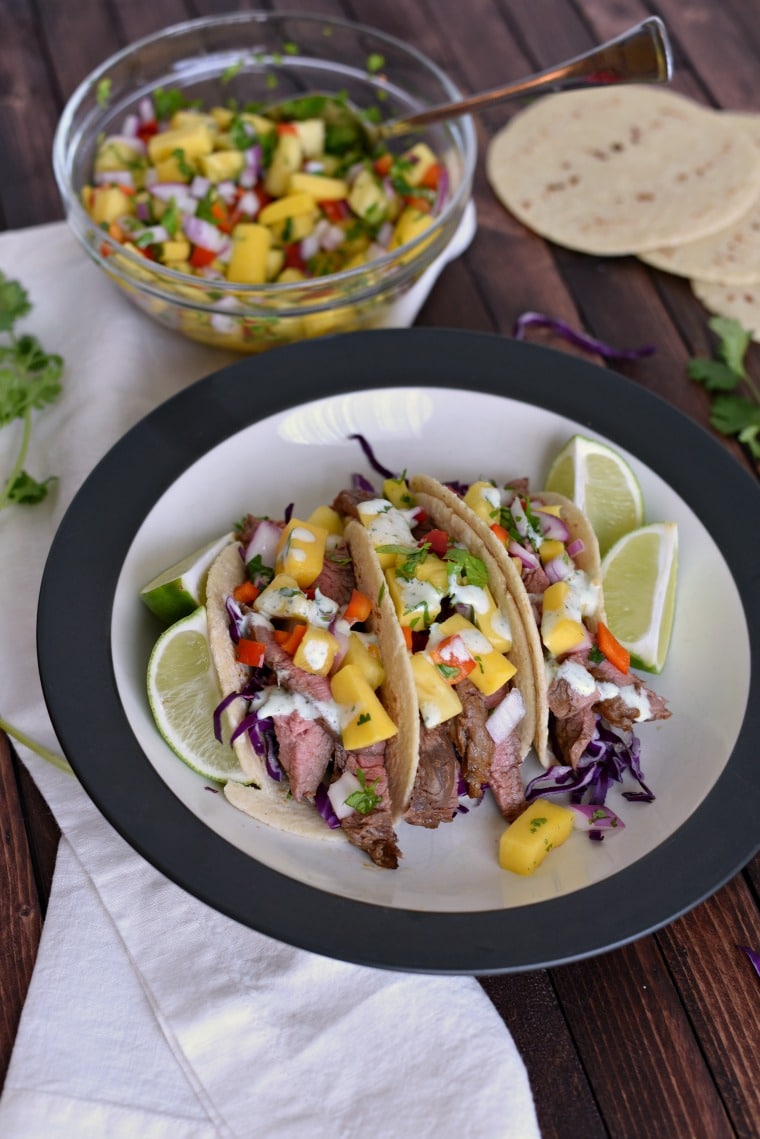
642, 54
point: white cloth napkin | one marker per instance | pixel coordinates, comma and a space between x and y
150, 1014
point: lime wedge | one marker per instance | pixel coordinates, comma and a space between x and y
639, 581
181, 588
183, 692
602, 484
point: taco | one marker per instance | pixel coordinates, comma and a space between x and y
304, 649
548, 555
467, 678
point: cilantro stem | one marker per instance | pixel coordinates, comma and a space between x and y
38, 749
5, 496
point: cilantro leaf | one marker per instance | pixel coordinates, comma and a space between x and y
730, 414
467, 565
14, 303
26, 491
714, 374
367, 799
734, 342
413, 556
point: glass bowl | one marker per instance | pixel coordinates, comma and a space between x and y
264, 57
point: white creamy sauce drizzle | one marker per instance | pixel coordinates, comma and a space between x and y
419, 594
282, 702
468, 595
389, 526
581, 681
583, 598
316, 653
294, 603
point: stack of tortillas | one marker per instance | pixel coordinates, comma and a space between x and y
642, 170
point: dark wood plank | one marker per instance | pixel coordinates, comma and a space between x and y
641, 1055
20, 910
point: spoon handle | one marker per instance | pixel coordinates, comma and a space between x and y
640, 55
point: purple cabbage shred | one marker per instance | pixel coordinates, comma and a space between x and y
371, 458
325, 807
579, 339
358, 482
753, 955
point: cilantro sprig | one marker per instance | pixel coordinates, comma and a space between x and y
30, 378
367, 799
735, 407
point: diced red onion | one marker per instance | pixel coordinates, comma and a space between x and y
313, 166
384, 234
312, 243
146, 110
226, 191
442, 190
594, 817
333, 237
247, 179
200, 186
142, 210
114, 178
253, 157
345, 785
264, 543
203, 233
527, 557
325, 807
154, 235
575, 547
130, 126
176, 192
506, 716
557, 569
220, 321
150, 178
249, 204
520, 517
552, 526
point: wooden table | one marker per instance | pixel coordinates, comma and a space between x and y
660, 1037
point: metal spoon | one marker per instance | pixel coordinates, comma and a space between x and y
642, 54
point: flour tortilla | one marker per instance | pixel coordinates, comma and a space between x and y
738, 302
732, 254
493, 551
267, 800
621, 170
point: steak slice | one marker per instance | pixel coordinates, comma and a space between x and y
435, 795
471, 739
336, 579
305, 751
617, 711
373, 832
574, 733
345, 502
505, 779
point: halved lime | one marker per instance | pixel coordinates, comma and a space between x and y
180, 589
602, 484
639, 579
183, 691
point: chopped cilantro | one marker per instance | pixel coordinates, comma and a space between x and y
185, 168
448, 671
258, 572
413, 556
103, 92
596, 655
536, 822
467, 565
364, 718
732, 411
231, 71
290, 48
367, 799
375, 62
171, 218
167, 101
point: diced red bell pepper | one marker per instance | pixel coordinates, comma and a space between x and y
453, 658
250, 652
612, 649
438, 540
200, 257
290, 639
358, 608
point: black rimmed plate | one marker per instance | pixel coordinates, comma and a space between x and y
272, 430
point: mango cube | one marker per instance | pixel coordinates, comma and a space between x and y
437, 700
110, 203
193, 141
286, 161
555, 596
550, 548
541, 827
250, 247
417, 602
397, 491
319, 187
316, 651
301, 551
359, 653
367, 198
493, 624
175, 168
328, 519
368, 722
421, 159
221, 165
484, 499
116, 154
411, 223
561, 634
311, 135
493, 668
289, 207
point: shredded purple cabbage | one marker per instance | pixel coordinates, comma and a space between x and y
260, 731
358, 482
225, 703
605, 761
371, 459
235, 614
325, 807
580, 339
753, 955
288, 512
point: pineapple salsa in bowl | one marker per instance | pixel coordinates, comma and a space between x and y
244, 227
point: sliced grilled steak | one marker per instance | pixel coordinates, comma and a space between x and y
504, 778
305, 750
289, 675
573, 734
535, 581
345, 503
435, 793
336, 579
565, 700
617, 712
373, 832
469, 736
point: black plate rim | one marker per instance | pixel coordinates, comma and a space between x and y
89, 720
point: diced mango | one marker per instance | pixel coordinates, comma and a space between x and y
294, 229
493, 624
561, 634
290, 276
274, 263
397, 491
541, 827
417, 602
193, 141
327, 518
316, 651
433, 569
250, 247
411, 223
290, 206
116, 154
493, 668
550, 548
187, 117
311, 135
369, 723
555, 596
175, 168
483, 498
367, 198
260, 123
110, 203
437, 700
221, 165
421, 158
222, 116
175, 251
321, 188
551, 508
301, 551
359, 654
285, 162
